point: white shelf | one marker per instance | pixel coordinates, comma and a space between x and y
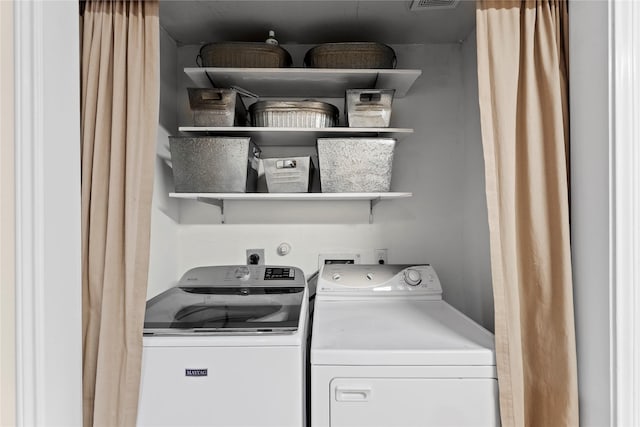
304, 82
290, 196
219, 199
296, 136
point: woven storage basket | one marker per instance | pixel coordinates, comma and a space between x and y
351, 55
244, 55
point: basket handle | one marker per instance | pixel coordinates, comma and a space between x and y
210, 97
370, 96
307, 59
286, 164
199, 60
395, 61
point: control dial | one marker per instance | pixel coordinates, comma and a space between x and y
412, 277
242, 273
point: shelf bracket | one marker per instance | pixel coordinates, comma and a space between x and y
215, 202
372, 203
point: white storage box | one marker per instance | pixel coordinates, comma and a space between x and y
365, 108
288, 175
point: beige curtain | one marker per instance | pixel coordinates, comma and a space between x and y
522, 75
120, 102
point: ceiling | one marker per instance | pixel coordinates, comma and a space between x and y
315, 21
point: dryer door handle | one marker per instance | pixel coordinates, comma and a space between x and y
353, 394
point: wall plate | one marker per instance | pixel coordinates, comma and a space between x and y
338, 258
252, 253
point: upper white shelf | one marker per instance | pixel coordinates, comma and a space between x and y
304, 82
296, 136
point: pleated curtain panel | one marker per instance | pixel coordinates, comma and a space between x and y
523, 91
119, 119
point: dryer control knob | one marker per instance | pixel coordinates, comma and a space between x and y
412, 277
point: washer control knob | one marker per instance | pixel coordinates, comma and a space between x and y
242, 273
412, 277
336, 276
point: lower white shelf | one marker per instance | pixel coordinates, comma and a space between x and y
290, 196
219, 199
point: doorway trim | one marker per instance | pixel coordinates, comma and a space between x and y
7, 221
47, 211
625, 210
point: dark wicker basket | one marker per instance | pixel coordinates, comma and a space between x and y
244, 55
351, 55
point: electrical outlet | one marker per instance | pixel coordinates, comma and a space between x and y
380, 256
255, 256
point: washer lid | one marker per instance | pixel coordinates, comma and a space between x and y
229, 300
397, 332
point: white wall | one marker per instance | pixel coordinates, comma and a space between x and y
164, 237
589, 101
441, 163
478, 295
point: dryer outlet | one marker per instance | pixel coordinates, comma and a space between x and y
255, 256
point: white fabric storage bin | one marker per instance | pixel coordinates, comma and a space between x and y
288, 174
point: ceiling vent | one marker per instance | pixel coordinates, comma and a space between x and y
433, 4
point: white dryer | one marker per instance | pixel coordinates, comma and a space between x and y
227, 347
386, 350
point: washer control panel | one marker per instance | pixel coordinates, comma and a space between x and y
379, 279
279, 273
243, 275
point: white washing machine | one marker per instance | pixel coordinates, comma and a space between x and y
386, 350
227, 347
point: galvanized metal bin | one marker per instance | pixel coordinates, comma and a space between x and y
217, 107
214, 164
288, 175
355, 165
368, 107
351, 55
296, 114
243, 55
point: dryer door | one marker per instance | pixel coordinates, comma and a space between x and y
410, 402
